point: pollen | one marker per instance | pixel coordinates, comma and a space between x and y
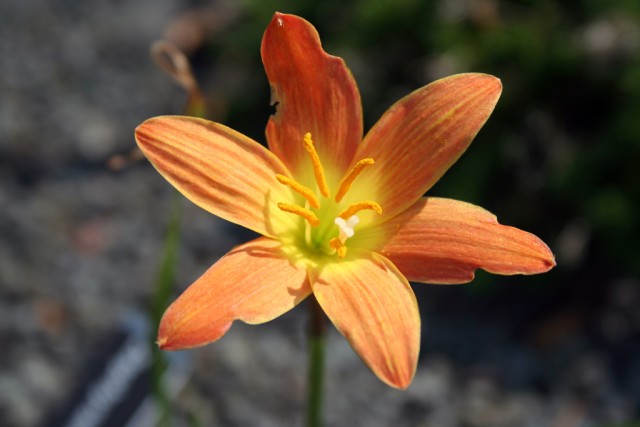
311, 218
306, 192
347, 181
316, 210
339, 246
357, 207
318, 170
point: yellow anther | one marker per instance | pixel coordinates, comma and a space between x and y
306, 192
318, 170
304, 213
340, 248
357, 207
347, 181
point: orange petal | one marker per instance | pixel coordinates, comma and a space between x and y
373, 306
313, 92
445, 241
218, 169
420, 137
254, 283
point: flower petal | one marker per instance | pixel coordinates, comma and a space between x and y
373, 306
445, 241
421, 136
254, 283
313, 92
218, 169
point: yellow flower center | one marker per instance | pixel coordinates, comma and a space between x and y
328, 225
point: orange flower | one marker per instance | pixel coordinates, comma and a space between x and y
340, 217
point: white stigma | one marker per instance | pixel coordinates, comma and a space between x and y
346, 227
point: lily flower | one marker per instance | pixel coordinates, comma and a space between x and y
341, 217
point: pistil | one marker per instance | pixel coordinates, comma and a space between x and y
345, 221
346, 227
346, 231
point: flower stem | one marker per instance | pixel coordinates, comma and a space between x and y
165, 278
317, 334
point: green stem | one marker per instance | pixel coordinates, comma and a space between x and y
317, 335
160, 300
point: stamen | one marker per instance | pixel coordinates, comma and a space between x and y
336, 244
347, 181
306, 192
311, 218
357, 207
318, 170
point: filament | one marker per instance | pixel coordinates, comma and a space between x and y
318, 170
306, 192
311, 218
357, 207
347, 181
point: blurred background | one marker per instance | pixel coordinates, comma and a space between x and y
82, 241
